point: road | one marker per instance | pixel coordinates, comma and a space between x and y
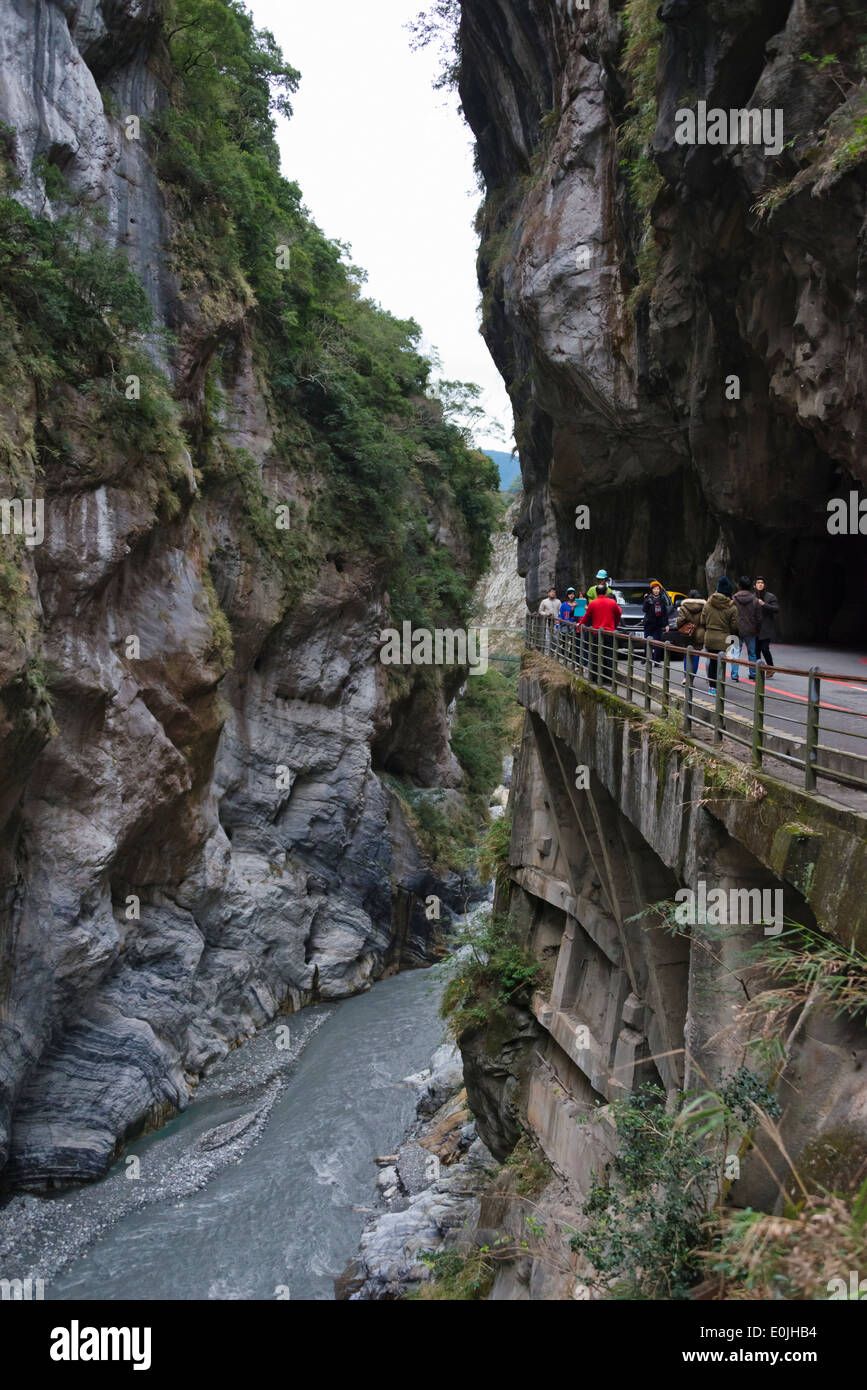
843, 717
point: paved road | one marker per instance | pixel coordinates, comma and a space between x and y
843, 718
843, 715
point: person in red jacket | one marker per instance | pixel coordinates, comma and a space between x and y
603, 614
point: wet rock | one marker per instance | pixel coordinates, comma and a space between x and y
442, 1169
497, 1061
445, 1077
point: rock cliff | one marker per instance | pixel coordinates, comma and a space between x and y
194, 833
680, 326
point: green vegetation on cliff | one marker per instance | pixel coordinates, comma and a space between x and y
72, 319
493, 970
640, 60
349, 391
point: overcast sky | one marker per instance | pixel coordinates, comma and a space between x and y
385, 163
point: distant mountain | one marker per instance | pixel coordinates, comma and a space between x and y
509, 466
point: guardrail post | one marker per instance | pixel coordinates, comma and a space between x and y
666, 678
811, 743
648, 673
758, 714
687, 704
719, 710
629, 661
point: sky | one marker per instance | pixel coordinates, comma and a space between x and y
384, 163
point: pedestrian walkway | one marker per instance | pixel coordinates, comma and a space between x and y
805, 723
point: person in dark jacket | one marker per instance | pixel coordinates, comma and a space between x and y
770, 606
656, 610
749, 618
719, 618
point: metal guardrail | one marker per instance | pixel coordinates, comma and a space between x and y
641, 668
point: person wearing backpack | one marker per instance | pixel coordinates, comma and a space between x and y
770, 606
690, 630
719, 618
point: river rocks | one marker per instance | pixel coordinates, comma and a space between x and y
431, 1192
389, 1262
444, 1079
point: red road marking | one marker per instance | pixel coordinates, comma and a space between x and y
793, 696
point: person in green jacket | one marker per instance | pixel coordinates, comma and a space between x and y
601, 578
719, 618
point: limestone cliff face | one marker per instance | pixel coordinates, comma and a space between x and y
625, 283
500, 600
190, 839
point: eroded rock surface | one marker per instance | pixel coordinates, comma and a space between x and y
194, 836
746, 264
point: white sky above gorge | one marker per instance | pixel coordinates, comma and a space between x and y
385, 163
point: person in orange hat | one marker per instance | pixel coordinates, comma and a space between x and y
656, 610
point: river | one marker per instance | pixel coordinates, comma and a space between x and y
259, 1189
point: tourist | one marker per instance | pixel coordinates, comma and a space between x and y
567, 608
770, 607
656, 610
749, 618
550, 606
690, 629
719, 619
601, 577
603, 615
549, 609
580, 610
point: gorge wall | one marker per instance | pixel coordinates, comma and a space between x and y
194, 829
625, 999
626, 278
681, 329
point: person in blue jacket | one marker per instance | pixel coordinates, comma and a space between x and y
567, 607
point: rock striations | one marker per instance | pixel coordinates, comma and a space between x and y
194, 834
680, 326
